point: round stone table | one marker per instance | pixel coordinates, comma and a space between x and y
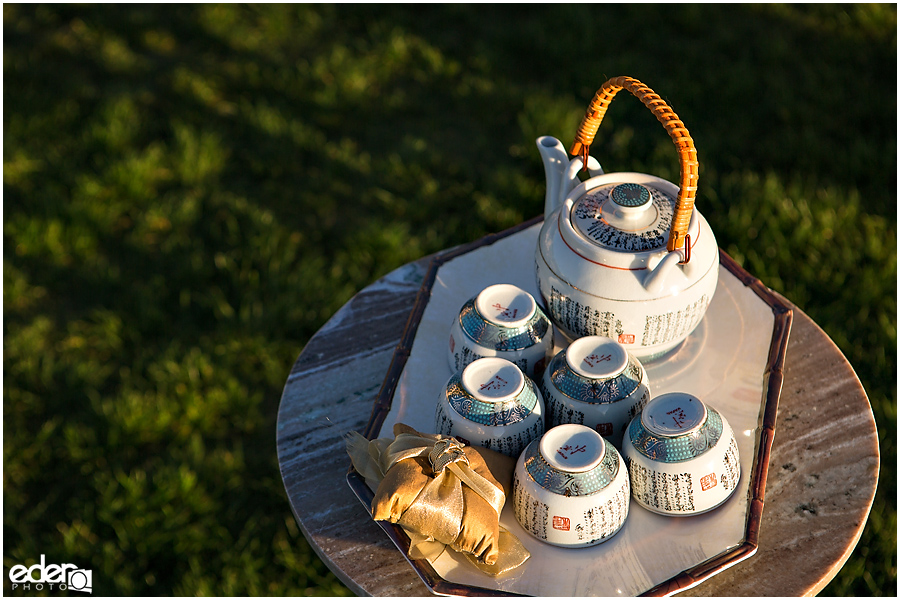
822, 472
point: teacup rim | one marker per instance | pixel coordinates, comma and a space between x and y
522, 322
550, 439
466, 375
656, 401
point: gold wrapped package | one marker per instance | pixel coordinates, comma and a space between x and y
442, 494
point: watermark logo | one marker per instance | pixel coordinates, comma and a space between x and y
51, 577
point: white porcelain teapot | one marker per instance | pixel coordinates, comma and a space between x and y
624, 255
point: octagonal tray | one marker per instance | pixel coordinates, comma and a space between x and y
733, 361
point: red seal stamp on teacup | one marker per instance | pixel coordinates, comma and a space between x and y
708, 481
604, 429
561, 523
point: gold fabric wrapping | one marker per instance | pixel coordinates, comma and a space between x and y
442, 494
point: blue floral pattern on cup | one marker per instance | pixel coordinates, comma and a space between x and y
594, 391
494, 414
502, 338
677, 448
568, 483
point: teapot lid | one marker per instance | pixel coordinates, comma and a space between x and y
628, 217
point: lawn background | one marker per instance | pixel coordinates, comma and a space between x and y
189, 192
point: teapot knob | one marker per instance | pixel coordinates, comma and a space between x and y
631, 200
629, 207
630, 195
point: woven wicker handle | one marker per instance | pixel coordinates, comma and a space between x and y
684, 205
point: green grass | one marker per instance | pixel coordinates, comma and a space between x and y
191, 191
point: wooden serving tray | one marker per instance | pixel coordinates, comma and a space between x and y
733, 361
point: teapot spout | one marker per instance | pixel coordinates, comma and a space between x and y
561, 173
556, 161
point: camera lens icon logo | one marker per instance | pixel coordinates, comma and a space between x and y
81, 580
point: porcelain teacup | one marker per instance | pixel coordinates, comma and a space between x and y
504, 321
682, 456
571, 488
597, 383
493, 404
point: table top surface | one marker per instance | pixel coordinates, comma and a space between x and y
822, 475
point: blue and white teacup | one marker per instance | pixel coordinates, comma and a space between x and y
682, 456
493, 404
503, 321
597, 383
571, 488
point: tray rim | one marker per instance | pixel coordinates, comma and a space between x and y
773, 378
